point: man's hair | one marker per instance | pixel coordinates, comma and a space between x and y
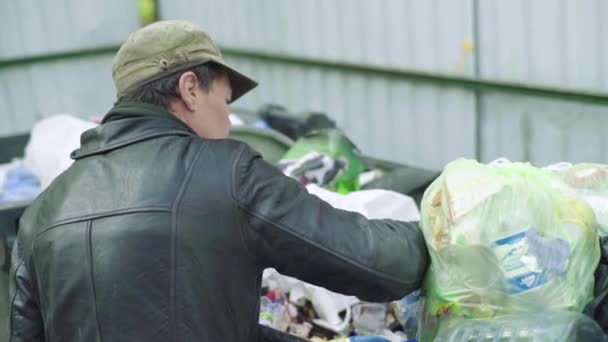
162, 91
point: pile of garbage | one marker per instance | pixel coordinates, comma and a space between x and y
508, 242
312, 312
514, 248
330, 166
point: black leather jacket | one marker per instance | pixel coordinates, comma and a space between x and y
154, 234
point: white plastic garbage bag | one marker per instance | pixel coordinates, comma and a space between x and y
47, 154
373, 204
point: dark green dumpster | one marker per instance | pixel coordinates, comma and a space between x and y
408, 180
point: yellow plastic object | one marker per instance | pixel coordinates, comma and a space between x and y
147, 11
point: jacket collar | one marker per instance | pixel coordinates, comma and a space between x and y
129, 123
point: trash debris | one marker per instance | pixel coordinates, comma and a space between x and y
331, 314
326, 158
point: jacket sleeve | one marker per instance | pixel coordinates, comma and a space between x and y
304, 237
25, 320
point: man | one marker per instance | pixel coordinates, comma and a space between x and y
161, 228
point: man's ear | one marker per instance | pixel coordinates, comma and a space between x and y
187, 86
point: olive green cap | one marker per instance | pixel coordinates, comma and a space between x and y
167, 47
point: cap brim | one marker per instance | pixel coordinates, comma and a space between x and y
239, 83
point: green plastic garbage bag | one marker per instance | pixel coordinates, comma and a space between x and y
326, 158
505, 239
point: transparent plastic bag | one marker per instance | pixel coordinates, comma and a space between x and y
505, 239
590, 182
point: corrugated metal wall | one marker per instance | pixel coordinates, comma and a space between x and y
387, 118
555, 42
548, 42
421, 34
78, 86
545, 42
543, 131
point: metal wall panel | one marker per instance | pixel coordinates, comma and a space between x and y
546, 42
391, 119
551, 42
82, 88
417, 34
79, 86
33, 27
396, 120
543, 131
